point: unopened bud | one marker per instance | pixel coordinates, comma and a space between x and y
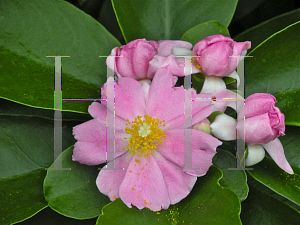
204, 126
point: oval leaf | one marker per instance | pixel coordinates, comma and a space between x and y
204, 30
261, 32
235, 180
257, 210
275, 69
269, 174
201, 206
26, 145
32, 30
73, 193
168, 19
50, 217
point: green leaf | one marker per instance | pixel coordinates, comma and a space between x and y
260, 208
168, 19
268, 173
275, 69
12, 108
26, 145
208, 203
252, 182
262, 31
50, 217
32, 30
235, 180
73, 193
204, 30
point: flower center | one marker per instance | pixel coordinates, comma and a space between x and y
145, 135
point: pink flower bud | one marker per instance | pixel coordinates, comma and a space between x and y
263, 121
219, 55
133, 59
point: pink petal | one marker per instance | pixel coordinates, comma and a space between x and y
214, 59
164, 101
165, 47
275, 150
225, 98
109, 181
129, 98
175, 66
90, 148
202, 107
257, 130
203, 148
144, 186
97, 110
141, 57
259, 103
179, 184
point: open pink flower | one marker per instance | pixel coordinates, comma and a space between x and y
149, 142
260, 124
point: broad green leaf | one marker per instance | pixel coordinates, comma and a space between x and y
260, 208
32, 30
107, 18
208, 203
275, 69
261, 32
49, 217
26, 149
204, 30
268, 173
168, 19
73, 193
235, 180
12, 108
254, 183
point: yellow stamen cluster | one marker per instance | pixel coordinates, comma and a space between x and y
196, 63
145, 135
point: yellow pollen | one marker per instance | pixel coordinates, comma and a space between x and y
145, 135
196, 63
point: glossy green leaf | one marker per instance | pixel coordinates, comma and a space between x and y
32, 30
208, 203
26, 149
235, 180
168, 19
12, 108
275, 69
261, 32
73, 193
268, 173
254, 183
260, 208
49, 217
204, 30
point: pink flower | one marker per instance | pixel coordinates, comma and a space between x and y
262, 123
134, 59
214, 54
149, 142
